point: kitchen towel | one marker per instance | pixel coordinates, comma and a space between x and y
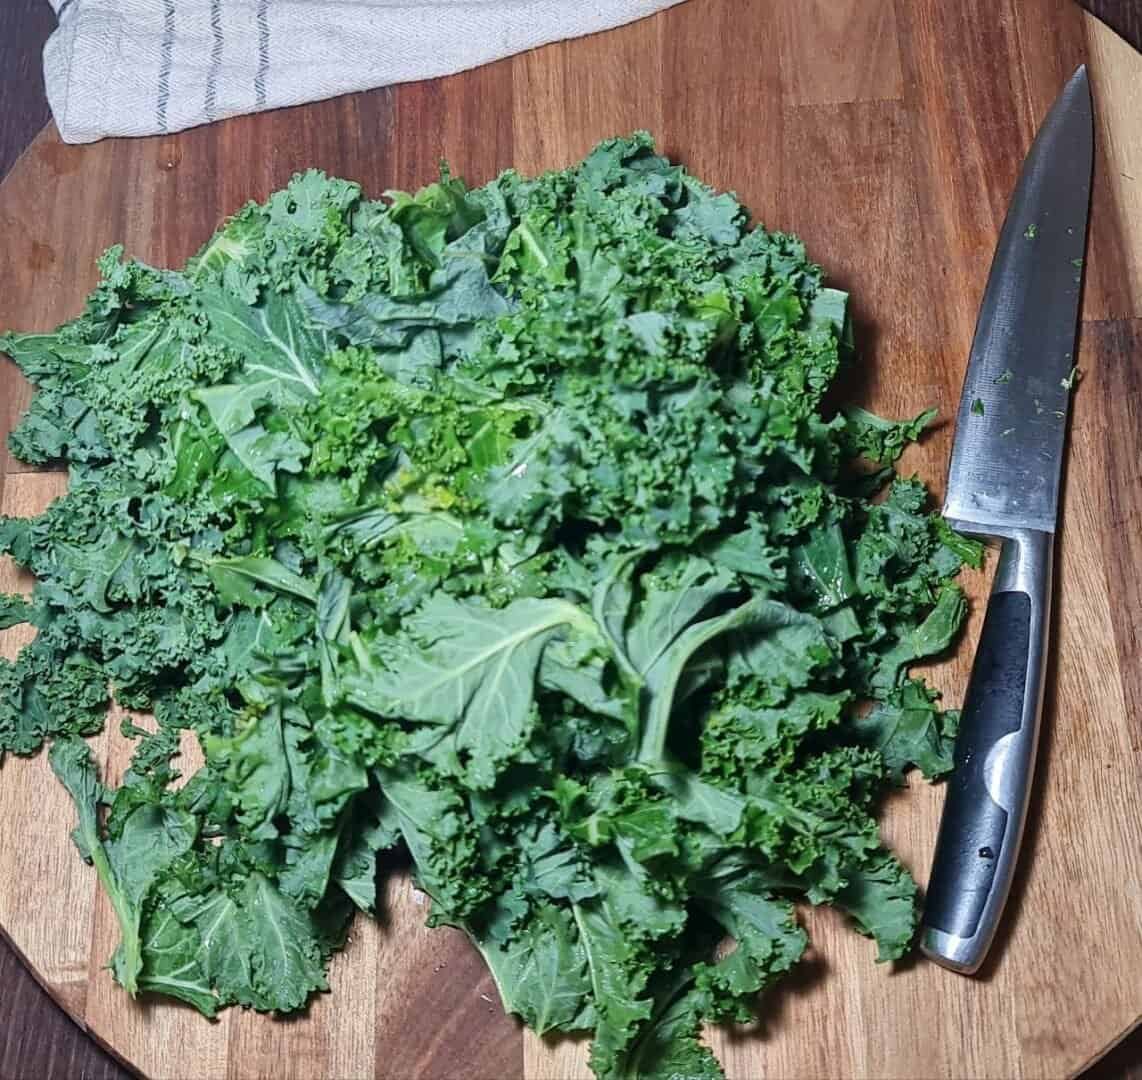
142, 67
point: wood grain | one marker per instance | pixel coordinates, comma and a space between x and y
894, 159
836, 51
1114, 64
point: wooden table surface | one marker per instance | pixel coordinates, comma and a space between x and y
37, 1040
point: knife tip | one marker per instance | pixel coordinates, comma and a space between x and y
1077, 92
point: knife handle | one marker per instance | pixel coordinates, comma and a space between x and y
986, 803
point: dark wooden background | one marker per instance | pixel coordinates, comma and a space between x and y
37, 1040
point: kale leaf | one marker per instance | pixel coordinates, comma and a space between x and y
506, 524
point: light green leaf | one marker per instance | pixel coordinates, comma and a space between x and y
699, 801
273, 338
171, 955
253, 763
908, 728
237, 579
618, 969
671, 664
151, 838
666, 611
671, 1048
542, 973
286, 963
881, 897
930, 638
469, 671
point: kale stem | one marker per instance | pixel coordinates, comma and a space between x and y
131, 961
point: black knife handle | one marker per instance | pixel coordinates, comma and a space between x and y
986, 803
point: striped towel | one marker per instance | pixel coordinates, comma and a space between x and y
142, 67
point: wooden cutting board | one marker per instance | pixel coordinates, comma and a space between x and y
889, 137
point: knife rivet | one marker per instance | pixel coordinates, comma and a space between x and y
986, 853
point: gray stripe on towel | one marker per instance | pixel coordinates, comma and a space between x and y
263, 51
166, 62
215, 57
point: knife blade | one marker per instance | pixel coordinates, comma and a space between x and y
1003, 484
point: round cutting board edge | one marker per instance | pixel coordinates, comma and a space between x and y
62, 205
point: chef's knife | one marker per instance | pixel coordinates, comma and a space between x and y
1003, 483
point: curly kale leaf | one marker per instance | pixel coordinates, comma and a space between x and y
507, 525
